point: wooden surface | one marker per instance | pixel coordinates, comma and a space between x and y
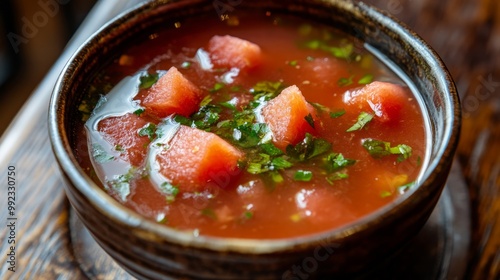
466, 33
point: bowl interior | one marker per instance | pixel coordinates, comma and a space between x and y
388, 39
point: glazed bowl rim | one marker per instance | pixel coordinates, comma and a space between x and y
153, 231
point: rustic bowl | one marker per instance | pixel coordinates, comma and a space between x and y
149, 250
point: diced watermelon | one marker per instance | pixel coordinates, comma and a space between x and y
195, 157
122, 133
384, 99
287, 116
229, 51
172, 94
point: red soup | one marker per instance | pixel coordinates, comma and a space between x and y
258, 126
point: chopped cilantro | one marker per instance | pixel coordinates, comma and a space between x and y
170, 190
337, 161
121, 183
148, 130
100, 155
206, 100
342, 82
236, 88
366, 79
139, 112
363, 119
378, 149
186, 65
303, 175
404, 188
310, 120
248, 214
217, 87
310, 58
148, 80
337, 114
270, 149
207, 116
119, 148
336, 176
385, 194
293, 63
342, 52
319, 107
209, 212
308, 148
270, 89
280, 163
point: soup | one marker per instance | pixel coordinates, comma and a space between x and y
258, 126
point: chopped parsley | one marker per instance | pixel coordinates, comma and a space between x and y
186, 65
121, 183
336, 176
344, 51
337, 114
366, 79
342, 82
293, 63
310, 120
217, 87
170, 190
404, 188
385, 194
337, 161
308, 148
100, 155
379, 149
148, 80
139, 112
209, 212
148, 130
363, 119
303, 175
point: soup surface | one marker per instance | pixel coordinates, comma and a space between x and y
257, 126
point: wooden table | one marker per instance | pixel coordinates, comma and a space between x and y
466, 33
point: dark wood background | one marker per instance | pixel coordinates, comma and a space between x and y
466, 34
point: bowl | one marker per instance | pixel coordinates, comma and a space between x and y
152, 251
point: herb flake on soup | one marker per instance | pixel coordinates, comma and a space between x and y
259, 126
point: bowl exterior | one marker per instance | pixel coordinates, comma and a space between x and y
151, 251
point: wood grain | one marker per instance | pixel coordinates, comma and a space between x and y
466, 33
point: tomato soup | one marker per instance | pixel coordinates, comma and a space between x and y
255, 126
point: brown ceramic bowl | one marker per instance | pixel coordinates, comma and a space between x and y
150, 250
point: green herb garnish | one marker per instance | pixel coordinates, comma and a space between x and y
209, 212
342, 82
310, 120
379, 149
170, 190
100, 155
217, 87
336, 177
366, 79
308, 148
337, 161
363, 119
148, 130
148, 80
139, 112
303, 176
404, 188
337, 114
186, 65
